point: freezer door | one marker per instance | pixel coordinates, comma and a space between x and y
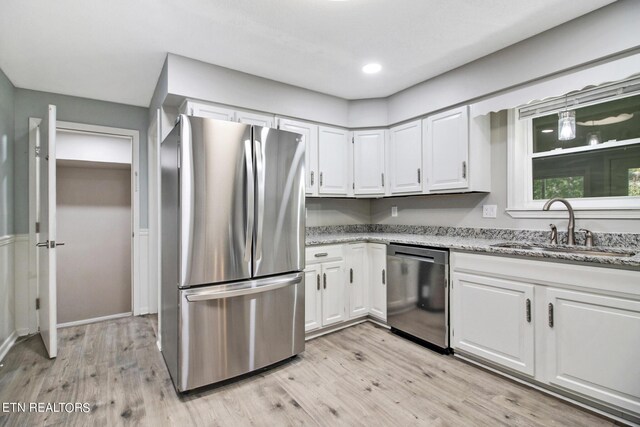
216, 201
279, 207
229, 330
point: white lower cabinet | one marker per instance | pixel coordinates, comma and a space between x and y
333, 309
357, 277
344, 282
492, 319
578, 325
312, 297
324, 286
378, 280
593, 346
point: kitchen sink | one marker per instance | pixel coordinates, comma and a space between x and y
566, 249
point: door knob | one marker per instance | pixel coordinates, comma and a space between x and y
43, 244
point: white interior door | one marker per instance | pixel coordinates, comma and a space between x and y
47, 236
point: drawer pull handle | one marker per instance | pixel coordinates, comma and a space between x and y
321, 254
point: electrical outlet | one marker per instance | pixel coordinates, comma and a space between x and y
394, 211
489, 211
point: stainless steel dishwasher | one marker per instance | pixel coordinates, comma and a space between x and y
418, 293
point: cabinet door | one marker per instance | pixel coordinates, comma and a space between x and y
312, 297
368, 162
309, 133
210, 111
593, 346
263, 120
333, 161
405, 158
492, 318
378, 280
333, 307
358, 288
447, 150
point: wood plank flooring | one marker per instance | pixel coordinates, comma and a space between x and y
360, 376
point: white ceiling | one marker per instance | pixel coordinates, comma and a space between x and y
114, 49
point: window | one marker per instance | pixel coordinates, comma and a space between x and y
599, 169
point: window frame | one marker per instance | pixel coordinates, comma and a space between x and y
520, 202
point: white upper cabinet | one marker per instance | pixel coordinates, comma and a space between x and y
201, 109
211, 111
405, 158
457, 152
368, 162
309, 133
334, 160
263, 120
446, 155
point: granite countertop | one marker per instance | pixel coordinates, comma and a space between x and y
479, 240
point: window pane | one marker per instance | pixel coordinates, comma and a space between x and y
614, 120
599, 173
566, 187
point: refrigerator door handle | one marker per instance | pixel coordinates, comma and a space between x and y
187, 199
261, 189
250, 200
247, 288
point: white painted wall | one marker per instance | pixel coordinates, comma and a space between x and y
188, 78
93, 147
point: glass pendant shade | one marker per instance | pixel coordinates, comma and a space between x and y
566, 125
593, 138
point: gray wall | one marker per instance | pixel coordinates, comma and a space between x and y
7, 96
337, 211
465, 210
29, 103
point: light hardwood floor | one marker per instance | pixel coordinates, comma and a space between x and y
362, 375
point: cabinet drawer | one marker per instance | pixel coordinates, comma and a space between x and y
316, 254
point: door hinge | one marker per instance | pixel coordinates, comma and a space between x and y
37, 303
38, 227
37, 151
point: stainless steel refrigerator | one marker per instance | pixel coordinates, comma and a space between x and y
232, 234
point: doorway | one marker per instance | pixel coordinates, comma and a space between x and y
97, 223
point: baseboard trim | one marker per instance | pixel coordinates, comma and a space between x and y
7, 344
22, 332
94, 320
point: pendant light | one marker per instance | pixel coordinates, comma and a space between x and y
566, 123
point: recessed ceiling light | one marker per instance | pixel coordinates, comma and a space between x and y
372, 68
546, 130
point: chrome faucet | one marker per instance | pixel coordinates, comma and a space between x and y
571, 236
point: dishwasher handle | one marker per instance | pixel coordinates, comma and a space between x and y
415, 257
